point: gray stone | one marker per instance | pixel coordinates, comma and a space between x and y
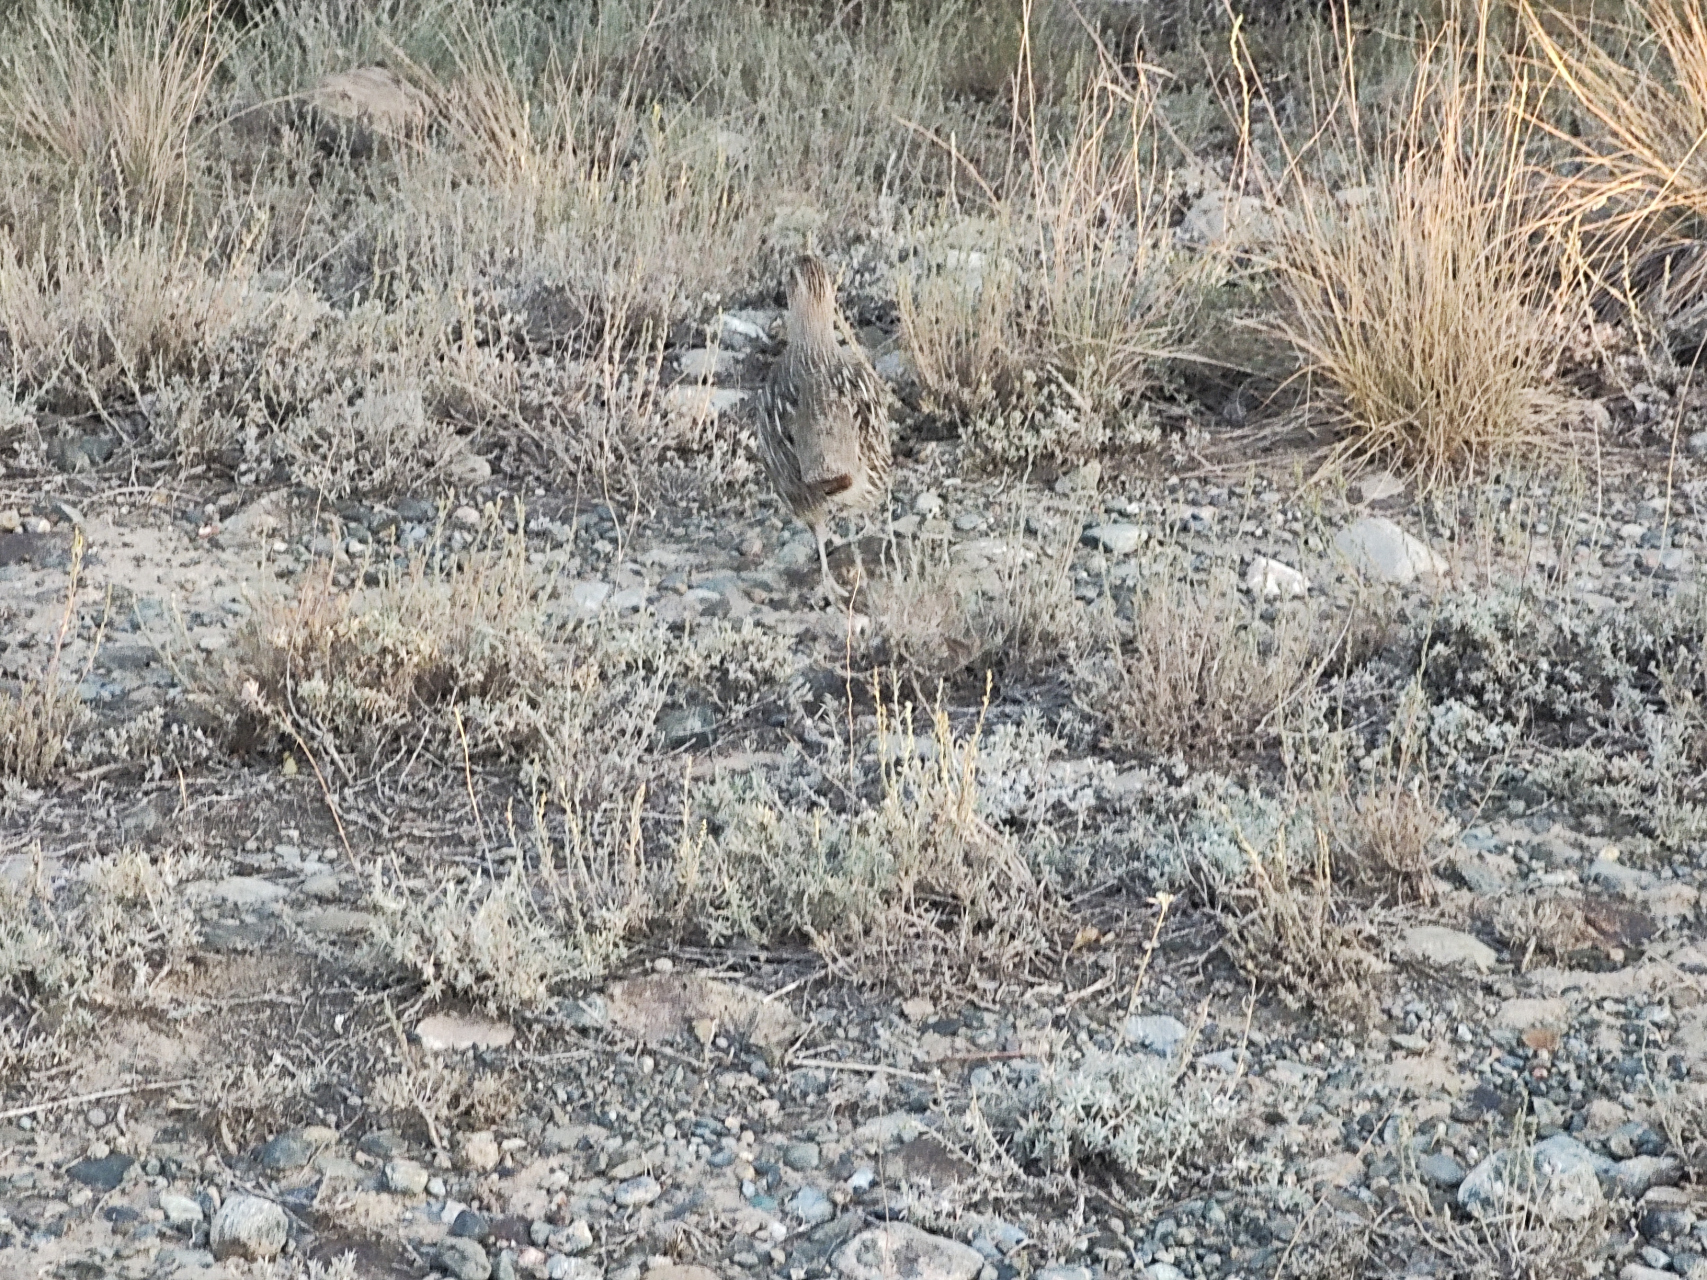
1441, 1170
1119, 539
901, 1251
285, 1153
405, 1178
103, 1174
464, 1259
471, 1225
1163, 1271
801, 1156
1270, 579
811, 1206
1380, 549
1447, 947
1559, 1179
1064, 1273
1638, 1174
383, 1143
1636, 1271
1626, 881
1158, 1033
637, 1192
248, 1227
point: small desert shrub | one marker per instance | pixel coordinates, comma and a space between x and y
1506, 666
1042, 329
38, 717
108, 939
998, 604
1425, 303
510, 943
1546, 926
1267, 873
1535, 1226
1197, 674
1147, 1116
909, 885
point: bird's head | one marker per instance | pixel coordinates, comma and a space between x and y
811, 299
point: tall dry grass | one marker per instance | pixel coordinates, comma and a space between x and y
1043, 323
1425, 300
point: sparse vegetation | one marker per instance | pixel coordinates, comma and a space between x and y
422, 767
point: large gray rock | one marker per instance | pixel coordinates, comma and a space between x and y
900, 1251
464, 1259
1379, 549
1559, 1180
248, 1227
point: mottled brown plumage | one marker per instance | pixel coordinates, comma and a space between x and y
824, 415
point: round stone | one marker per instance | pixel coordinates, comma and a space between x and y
248, 1227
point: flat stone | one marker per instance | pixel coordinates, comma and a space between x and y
103, 1174
180, 1210
339, 922
405, 1178
1157, 1033
811, 1206
636, 1192
901, 1251
801, 1156
450, 1033
1380, 549
248, 1227
1448, 947
1521, 1015
1118, 539
1640, 1174
286, 1152
247, 891
1440, 1169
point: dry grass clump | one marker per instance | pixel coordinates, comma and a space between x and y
1545, 926
1002, 604
440, 655
38, 718
107, 109
1041, 327
1197, 674
1425, 301
908, 885
1288, 925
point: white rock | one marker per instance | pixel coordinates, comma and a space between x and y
1223, 219
1270, 578
1384, 485
701, 401
248, 1227
180, 1210
1377, 547
480, 1151
466, 516
444, 1032
900, 1251
705, 363
1444, 947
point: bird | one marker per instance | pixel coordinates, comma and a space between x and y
824, 414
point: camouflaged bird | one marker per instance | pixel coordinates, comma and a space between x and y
824, 414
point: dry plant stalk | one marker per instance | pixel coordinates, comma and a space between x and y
36, 721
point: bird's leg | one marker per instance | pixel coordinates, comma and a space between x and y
830, 587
